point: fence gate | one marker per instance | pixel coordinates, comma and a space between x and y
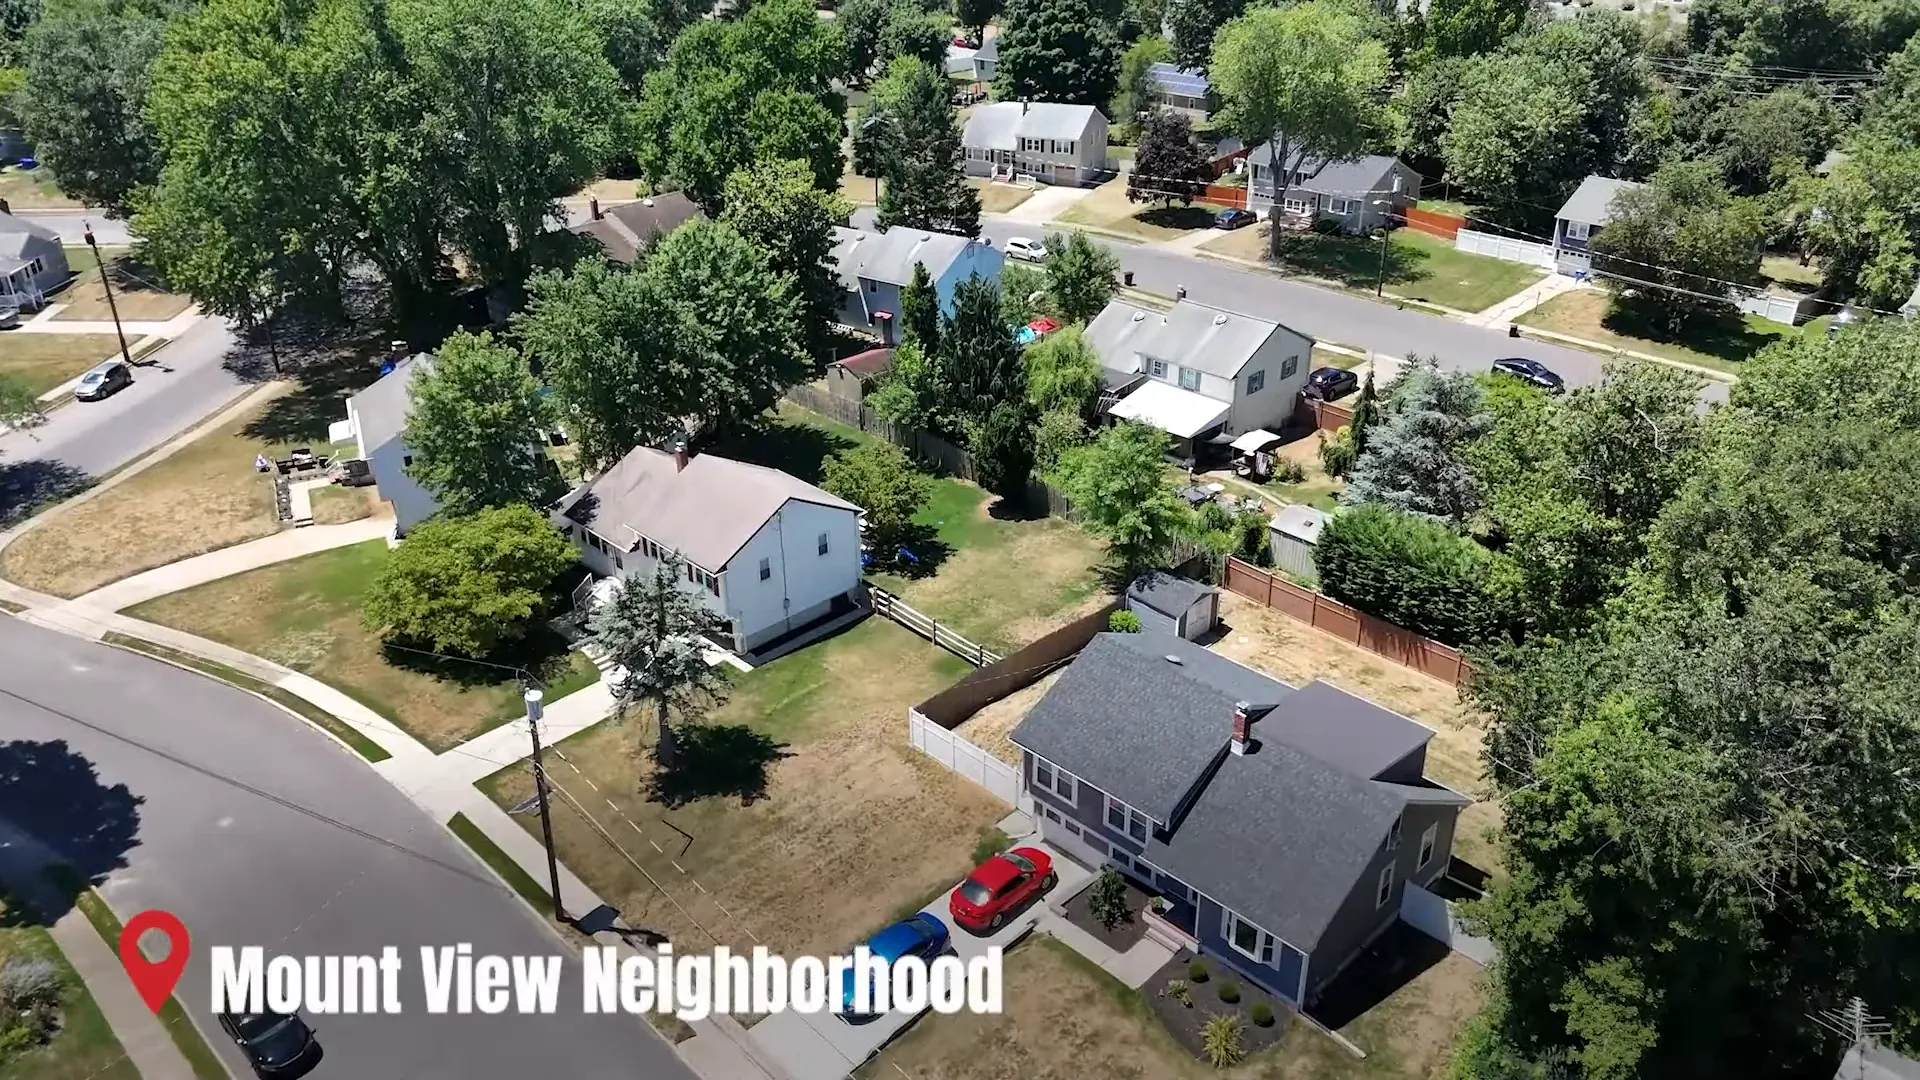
958, 755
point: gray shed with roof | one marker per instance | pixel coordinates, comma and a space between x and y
1174, 605
1291, 537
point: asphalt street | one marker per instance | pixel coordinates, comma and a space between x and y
72, 225
255, 830
1323, 314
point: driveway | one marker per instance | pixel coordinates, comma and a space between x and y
256, 829
821, 1046
1046, 204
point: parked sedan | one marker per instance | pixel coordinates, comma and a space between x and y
923, 935
104, 380
1331, 383
999, 887
1531, 372
1021, 247
278, 1046
1234, 219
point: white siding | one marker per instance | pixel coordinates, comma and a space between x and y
801, 582
1271, 407
412, 503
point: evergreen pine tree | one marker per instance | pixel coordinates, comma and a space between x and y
651, 628
1365, 412
920, 312
1415, 460
979, 355
925, 187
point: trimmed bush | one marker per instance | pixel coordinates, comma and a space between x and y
1262, 1014
1289, 471
1177, 990
1197, 971
1221, 1042
1412, 573
1107, 899
1229, 991
1124, 622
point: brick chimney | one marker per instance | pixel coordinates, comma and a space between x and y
1241, 723
679, 455
593, 208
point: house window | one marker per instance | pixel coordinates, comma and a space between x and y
1122, 818
1157, 368
766, 569
1296, 206
713, 584
1577, 230
822, 543
1427, 841
35, 267
1386, 886
1340, 206
1058, 781
1257, 381
1393, 835
873, 286
1288, 366
1246, 938
1396, 183
617, 564
1189, 378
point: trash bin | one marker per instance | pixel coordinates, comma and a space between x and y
1513, 330
1126, 278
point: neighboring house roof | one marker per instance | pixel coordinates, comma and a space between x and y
1369, 174
381, 408
17, 237
1167, 593
1113, 334
1592, 202
1871, 1061
1189, 334
989, 49
960, 60
866, 364
1182, 82
628, 228
999, 125
1279, 835
889, 256
1301, 522
707, 510
1178, 412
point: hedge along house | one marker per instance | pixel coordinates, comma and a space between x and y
1284, 828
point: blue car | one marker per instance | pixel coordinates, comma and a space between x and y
924, 936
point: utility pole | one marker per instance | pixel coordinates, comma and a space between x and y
540, 792
108, 286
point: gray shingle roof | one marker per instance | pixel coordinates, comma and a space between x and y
17, 235
382, 407
706, 511
1349, 733
1301, 521
623, 231
1592, 202
1138, 726
1346, 178
1167, 593
996, 125
889, 256
1190, 334
1112, 333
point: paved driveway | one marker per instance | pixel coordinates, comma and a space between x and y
821, 1046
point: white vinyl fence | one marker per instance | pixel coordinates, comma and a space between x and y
1773, 308
961, 756
1505, 247
1430, 914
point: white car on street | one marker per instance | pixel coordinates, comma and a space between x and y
1021, 247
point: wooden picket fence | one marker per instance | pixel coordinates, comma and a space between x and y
892, 607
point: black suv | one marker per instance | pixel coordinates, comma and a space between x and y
1531, 372
1331, 383
278, 1046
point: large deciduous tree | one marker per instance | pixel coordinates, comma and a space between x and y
1081, 276
976, 14
468, 585
1466, 27
776, 205
911, 30
1137, 90
475, 424
1064, 51
880, 479
1304, 77
1063, 373
920, 154
1671, 246
1515, 132
651, 628
1193, 24
1169, 167
1118, 486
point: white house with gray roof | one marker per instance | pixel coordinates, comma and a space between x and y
1359, 194
376, 424
1284, 827
1580, 219
1053, 143
766, 552
1197, 372
873, 267
32, 262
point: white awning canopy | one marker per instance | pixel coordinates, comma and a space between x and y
1180, 413
1257, 439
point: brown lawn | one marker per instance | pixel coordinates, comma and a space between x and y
998, 198
1296, 653
855, 827
988, 729
137, 292
339, 505
1108, 208
44, 361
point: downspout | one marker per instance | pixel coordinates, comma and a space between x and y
786, 601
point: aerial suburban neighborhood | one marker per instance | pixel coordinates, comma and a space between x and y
1308, 540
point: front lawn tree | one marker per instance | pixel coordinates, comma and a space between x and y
1305, 78
651, 628
1415, 459
920, 156
1671, 246
1062, 51
1081, 276
1169, 167
775, 205
468, 585
1118, 485
476, 427
880, 479
84, 102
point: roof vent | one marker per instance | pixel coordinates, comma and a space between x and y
1139, 316
1172, 659
1220, 319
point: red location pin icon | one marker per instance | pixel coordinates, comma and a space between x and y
155, 979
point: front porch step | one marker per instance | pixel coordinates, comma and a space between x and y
1164, 933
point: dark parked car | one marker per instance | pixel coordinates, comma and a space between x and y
1531, 372
105, 379
278, 1046
1331, 383
1234, 219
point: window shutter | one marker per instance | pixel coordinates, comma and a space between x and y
1266, 948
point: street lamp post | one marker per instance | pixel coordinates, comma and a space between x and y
108, 287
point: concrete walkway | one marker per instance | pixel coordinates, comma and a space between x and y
1525, 300
1048, 203
48, 321
226, 562
1189, 242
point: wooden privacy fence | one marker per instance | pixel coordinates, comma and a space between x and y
1348, 623
1433, 223
891, 606
1322, 415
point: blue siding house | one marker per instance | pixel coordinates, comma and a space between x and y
874, 266
1281, 826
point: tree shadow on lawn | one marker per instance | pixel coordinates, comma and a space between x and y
28, 486
800, 450
542, 653
1177, 217
715, 761
914, 553
55, 797
1021, 509
1353, 261
319, 399
1724, 335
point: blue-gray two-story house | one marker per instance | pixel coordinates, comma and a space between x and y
874, 266
1282, 826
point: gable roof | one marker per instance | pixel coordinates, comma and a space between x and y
1113, 332
1190, 334
1367, 174
626, 229
18, 234
868, 363
1167, 593
1185, 82
889, 256
999, 125
1592, 202
707, 511
1350, 733
1300, 521
381, 408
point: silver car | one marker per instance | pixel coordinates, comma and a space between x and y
106, 379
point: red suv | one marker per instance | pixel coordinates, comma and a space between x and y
999, 887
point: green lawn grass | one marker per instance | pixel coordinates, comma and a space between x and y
534, 893
1721, 344
1417, 266
84, 1048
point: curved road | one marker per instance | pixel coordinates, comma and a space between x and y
256, 830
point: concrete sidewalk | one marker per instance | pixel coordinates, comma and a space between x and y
1046, 204
48, 321
228, 561
1525, 300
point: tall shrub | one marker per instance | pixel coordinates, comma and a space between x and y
1412, 573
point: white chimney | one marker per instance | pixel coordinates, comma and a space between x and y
679, 455
1241, 723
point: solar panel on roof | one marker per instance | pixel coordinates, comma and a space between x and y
1175, 81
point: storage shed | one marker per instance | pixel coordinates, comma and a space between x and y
1293, 532
1174, 605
